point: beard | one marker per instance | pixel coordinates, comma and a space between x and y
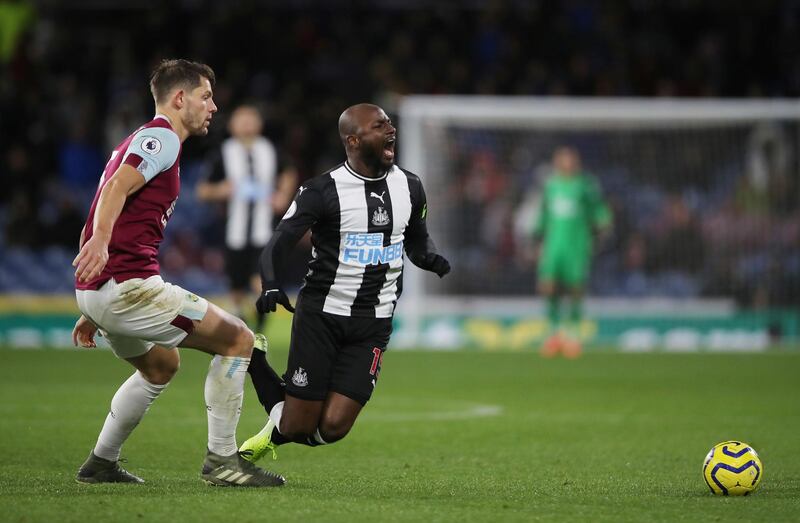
199, 128
374, 159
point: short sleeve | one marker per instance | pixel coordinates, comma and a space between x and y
152, 150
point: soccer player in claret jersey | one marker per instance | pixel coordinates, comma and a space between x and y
362, 215
572, 210
144, 319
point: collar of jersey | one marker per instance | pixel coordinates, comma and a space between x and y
163, 117
365, 178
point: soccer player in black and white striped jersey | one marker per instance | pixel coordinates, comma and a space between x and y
363, 215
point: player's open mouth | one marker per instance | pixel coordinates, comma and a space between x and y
388, 148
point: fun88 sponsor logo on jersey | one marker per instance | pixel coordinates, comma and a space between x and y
368, 249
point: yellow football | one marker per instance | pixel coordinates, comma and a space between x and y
732, 468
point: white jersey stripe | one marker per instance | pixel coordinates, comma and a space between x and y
353, 213
359, 239
252, 191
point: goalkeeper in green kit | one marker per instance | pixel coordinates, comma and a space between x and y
571, 212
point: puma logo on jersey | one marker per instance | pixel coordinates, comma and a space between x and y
378, 196
300, 190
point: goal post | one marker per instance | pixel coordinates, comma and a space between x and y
724, 163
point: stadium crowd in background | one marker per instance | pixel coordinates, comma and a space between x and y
70, 88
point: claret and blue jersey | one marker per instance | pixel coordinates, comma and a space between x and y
154, 150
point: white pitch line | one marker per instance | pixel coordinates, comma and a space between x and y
475, 411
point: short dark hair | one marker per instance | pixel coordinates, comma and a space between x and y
178, 73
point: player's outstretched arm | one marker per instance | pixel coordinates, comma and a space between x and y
93, 256
426, 258
418, 244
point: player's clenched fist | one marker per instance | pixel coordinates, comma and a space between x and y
434, 263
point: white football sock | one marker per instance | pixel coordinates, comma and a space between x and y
317, 437
224, 392
128, 407
276, 413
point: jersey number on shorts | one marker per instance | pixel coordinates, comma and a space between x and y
377, 360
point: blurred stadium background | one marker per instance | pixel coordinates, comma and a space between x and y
685, 111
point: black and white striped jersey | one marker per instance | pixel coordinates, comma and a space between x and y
253, 171
360, 228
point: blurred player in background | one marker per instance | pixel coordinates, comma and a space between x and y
144, 319
571, 211
247, 175
362, 214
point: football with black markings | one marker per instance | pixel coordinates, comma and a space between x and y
732, 468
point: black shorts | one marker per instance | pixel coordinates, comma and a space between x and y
240, 266
331, 353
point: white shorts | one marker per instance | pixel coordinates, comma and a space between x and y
138, 313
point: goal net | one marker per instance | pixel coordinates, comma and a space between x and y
704, 198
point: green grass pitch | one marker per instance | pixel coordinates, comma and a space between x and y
461, 436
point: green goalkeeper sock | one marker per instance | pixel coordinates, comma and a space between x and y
576, 310
575, 317
552, 312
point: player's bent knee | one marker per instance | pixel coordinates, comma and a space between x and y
241, 343
334, 428
159, 377
244, 341
162, 373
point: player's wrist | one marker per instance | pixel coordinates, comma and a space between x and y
103, 235
269, 286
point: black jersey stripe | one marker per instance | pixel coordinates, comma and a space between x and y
325, 242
